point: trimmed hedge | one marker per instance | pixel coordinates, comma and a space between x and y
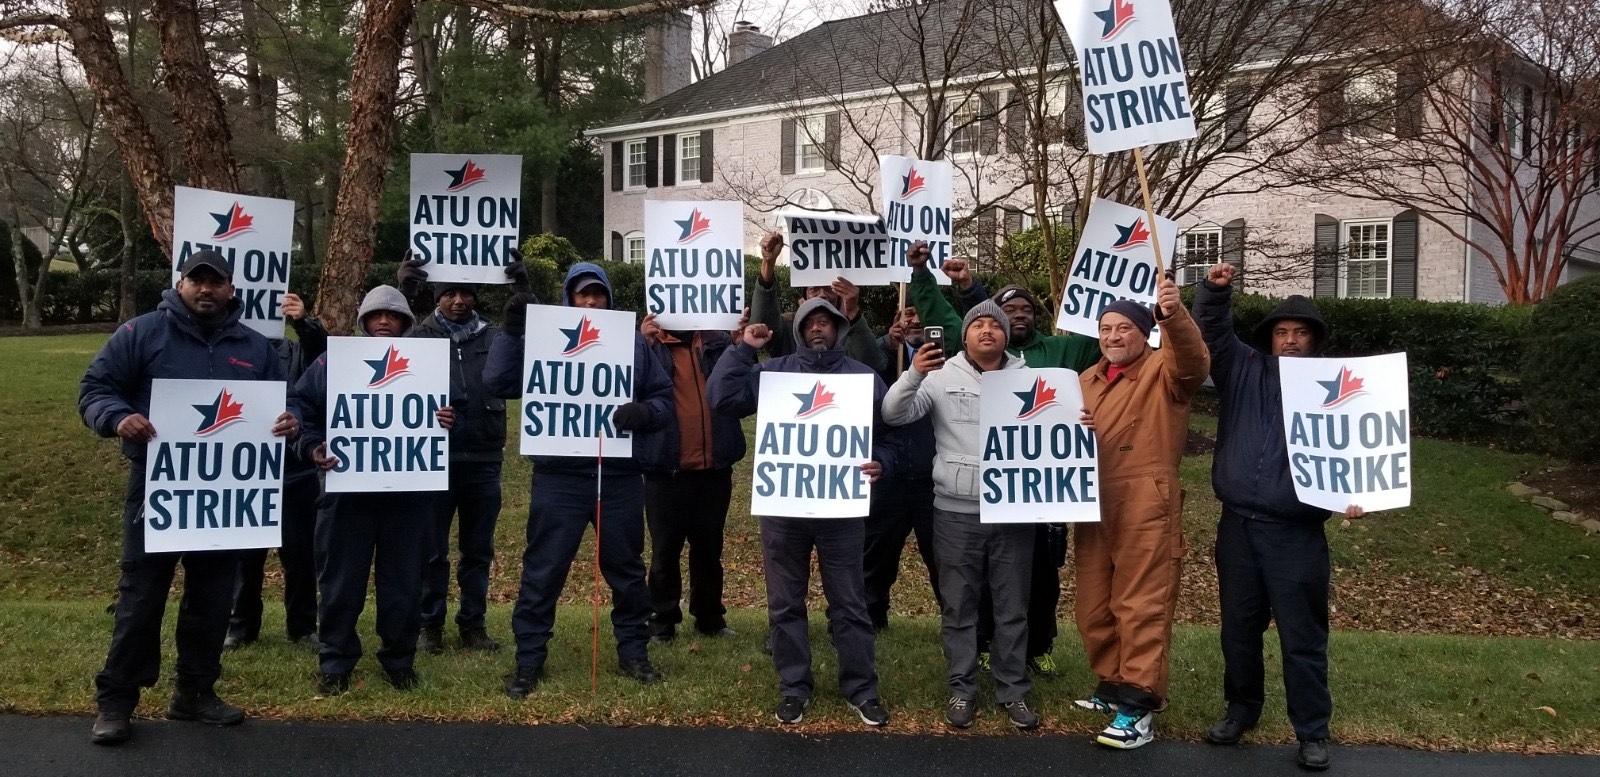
1561, 369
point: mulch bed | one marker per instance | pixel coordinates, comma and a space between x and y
1577, 485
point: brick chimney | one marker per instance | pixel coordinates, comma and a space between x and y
668, 55
746, 41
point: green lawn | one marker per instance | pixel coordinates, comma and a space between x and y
1467, 561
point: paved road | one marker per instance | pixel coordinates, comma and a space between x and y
44, 747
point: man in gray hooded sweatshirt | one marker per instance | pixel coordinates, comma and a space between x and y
973, 556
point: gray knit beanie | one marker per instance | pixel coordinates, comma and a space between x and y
985, 308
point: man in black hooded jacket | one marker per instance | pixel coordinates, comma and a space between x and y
1272, 553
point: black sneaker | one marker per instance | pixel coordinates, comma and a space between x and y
1313, 755
404, 679
204, 708
664, 637
719, 633
478, 639
431, 640
236, 640
872, 712
527, 678
111, 728
1020, 715
641, 670
1226, 732
308, 641
331, 684
959, 712
792, 709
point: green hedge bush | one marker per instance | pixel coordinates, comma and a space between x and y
1561, 369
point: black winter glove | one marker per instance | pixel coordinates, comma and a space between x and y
631, 417
518, 273
411, 275
515, 321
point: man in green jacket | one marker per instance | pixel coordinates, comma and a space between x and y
859, 343
1075, 352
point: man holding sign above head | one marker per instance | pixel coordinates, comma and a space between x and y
373, 531
579, 398
973, 556
477, 447
813, 463
195, 333
845, 298
1128, 563
1272, 554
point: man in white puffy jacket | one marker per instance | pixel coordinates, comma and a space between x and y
971, 555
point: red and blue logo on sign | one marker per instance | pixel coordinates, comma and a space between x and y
1135, 234
218, 414
812, 402
388, 369
581, 337
233, 223
911, 183
1115, 17
1036, 399
468, 175
1343, 388
693, 227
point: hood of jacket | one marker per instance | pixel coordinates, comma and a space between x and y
1296, 306
826, 359
587, 268
386, 298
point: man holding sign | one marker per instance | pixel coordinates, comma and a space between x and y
786, 542
1272, 553
843, 296
195, 333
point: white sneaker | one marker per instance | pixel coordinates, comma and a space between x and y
1129, 731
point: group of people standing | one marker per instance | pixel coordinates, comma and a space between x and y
998, 585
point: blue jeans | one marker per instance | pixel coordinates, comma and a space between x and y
786, 545
561, 506
474, 495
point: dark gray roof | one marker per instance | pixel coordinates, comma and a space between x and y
873, 51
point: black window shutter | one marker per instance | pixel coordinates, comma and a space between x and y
616, 166
1016, 123
1330, 108
830, 152
652, 162
1233, 250
983, 225
616, 247
1403, 262
1325, 270
1236, 109
1496, 106
786, 148
988, 124
1072, 116
1013, 222
669, 160
1409, 104
705, 155
1527, 120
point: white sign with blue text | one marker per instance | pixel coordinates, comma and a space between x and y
577, 369
1039, 463
694, 263
465, 215
255, 235
1348, 425
384, 394
1135, 90
918, 195
1114, 260
813, 433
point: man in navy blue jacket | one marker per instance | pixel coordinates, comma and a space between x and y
688, 483
1272, 554
561, 501
195, 333
786, 543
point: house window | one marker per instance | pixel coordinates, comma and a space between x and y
1366, 251
1198, 249
809, 142
633, 247
689, 157
965, 129
1369, 103
1210, 122
1516, 104
636, 163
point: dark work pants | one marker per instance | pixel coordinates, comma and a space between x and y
134, 659
1275, 571
786, 545
474, 497
560, 509
1044, 593
687, 506
298, 557
385, 533
976, 559
900, 506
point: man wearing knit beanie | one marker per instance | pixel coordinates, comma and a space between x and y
973, 556
1128, 564
1072, 351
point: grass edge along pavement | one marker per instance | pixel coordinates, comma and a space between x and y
1434, 692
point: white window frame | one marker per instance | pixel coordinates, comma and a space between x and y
1516, 108
965, 126
683, 141
1211, 122
1379, 250
811, 134
631, 241
1195, 260
629, 165
1380, 83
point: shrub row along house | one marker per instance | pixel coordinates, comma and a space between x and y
1445, 164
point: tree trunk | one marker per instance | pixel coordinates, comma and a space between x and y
374, 81
549, 199
196, 103
19, 260
128, 287
425, 59
262, 99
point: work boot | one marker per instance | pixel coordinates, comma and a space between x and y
1226, 732
431, 640
639, 669
1313, 755
111, 728
404, 679
527, 678
332, 684
204, 707
477, 638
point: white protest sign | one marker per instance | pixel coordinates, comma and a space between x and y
1039, 462
1348, 425
214, 472
824, 246
1135, 90
255, 234
813, 433
382, 396
577, 369
694, 266
465, 215
1114, 260
917, 198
